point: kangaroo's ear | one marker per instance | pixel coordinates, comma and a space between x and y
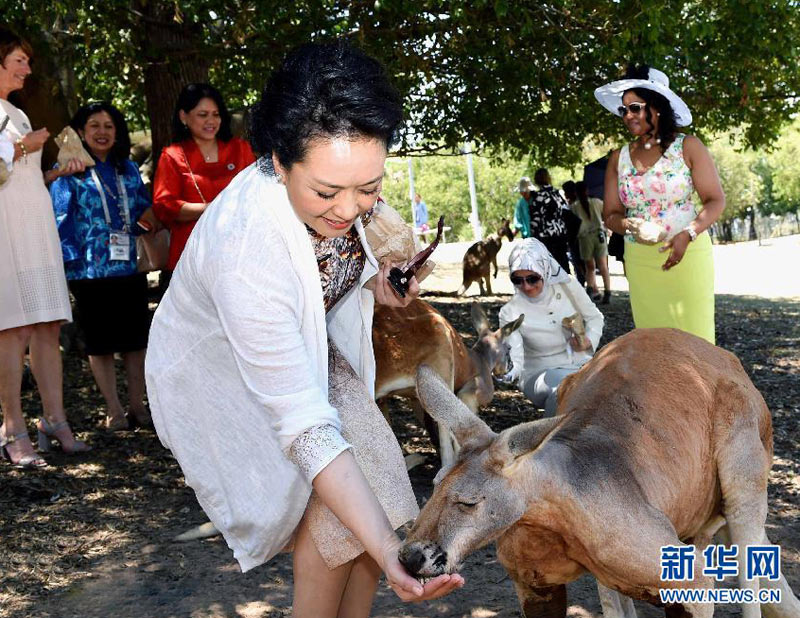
524, 438
445, 408
509, 328
479, 319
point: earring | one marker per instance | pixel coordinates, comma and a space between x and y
280, 178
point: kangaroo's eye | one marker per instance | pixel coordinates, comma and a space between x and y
466, 507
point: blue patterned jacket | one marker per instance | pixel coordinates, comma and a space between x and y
82, 224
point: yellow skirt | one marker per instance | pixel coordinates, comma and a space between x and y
682, 297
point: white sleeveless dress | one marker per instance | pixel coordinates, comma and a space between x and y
33, 287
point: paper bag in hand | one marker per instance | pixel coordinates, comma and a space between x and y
70, 147
392, 240
574, 326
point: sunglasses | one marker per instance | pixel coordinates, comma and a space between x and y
633, 108
530, 280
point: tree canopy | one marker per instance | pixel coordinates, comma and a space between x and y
517, 76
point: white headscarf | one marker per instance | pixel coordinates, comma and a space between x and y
531, 254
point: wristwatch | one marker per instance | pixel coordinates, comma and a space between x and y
692, 233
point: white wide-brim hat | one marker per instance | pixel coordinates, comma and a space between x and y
525, 184
610, 95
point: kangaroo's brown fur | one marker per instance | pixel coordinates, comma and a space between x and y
659, 440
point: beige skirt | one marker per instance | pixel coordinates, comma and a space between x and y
379, 456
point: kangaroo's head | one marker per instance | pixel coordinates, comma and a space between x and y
482, 495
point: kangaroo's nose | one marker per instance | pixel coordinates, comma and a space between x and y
425, 559
412, 558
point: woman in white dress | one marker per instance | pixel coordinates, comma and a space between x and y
543, 352
260, 370
33, 289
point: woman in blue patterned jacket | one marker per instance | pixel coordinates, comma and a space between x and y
96, 212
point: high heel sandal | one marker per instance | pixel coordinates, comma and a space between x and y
117, 423
48, 432
26, 461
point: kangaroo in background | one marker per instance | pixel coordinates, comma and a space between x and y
404, 338
479, 258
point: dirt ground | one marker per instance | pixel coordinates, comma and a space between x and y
90, 536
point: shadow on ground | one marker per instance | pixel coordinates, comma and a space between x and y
90, 537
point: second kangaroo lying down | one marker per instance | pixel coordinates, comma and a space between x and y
659, 440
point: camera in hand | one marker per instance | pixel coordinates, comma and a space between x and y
401, 279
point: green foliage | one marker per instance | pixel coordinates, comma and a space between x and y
784, 165
512, 77
742, 185
443, 184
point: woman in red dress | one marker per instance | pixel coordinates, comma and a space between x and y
202, 159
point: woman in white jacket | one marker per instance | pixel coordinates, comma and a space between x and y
260, 370
542, 350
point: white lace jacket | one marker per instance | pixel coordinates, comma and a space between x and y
237, 363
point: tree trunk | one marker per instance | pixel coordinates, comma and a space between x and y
172, 51
751, 215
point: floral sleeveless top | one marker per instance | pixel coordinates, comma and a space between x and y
340, 261
663, 194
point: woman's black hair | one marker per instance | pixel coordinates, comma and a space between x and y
583, 196
542, 177
656, 103
188, 99
121, 150
324, 91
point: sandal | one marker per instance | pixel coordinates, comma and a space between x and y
28, 462
117, 423
48, 432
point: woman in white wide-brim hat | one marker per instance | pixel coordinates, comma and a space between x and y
662, 191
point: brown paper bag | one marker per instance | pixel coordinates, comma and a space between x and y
392, 240
71, 147
4, 173
575, 325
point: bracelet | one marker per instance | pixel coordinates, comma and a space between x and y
692, 234
24, 150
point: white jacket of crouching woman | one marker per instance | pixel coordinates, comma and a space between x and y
237, 361
541, 343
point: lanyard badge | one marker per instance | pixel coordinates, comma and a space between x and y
119, 241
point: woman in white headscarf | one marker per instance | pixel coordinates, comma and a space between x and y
543, 350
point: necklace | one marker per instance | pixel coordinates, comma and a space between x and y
648, 144
208, 157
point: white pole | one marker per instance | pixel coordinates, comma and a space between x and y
473, 196
411, 192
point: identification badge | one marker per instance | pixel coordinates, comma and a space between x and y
119, 244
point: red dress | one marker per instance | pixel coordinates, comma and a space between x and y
173, 185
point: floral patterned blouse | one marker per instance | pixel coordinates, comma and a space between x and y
340, 260
81, 220
663, 194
